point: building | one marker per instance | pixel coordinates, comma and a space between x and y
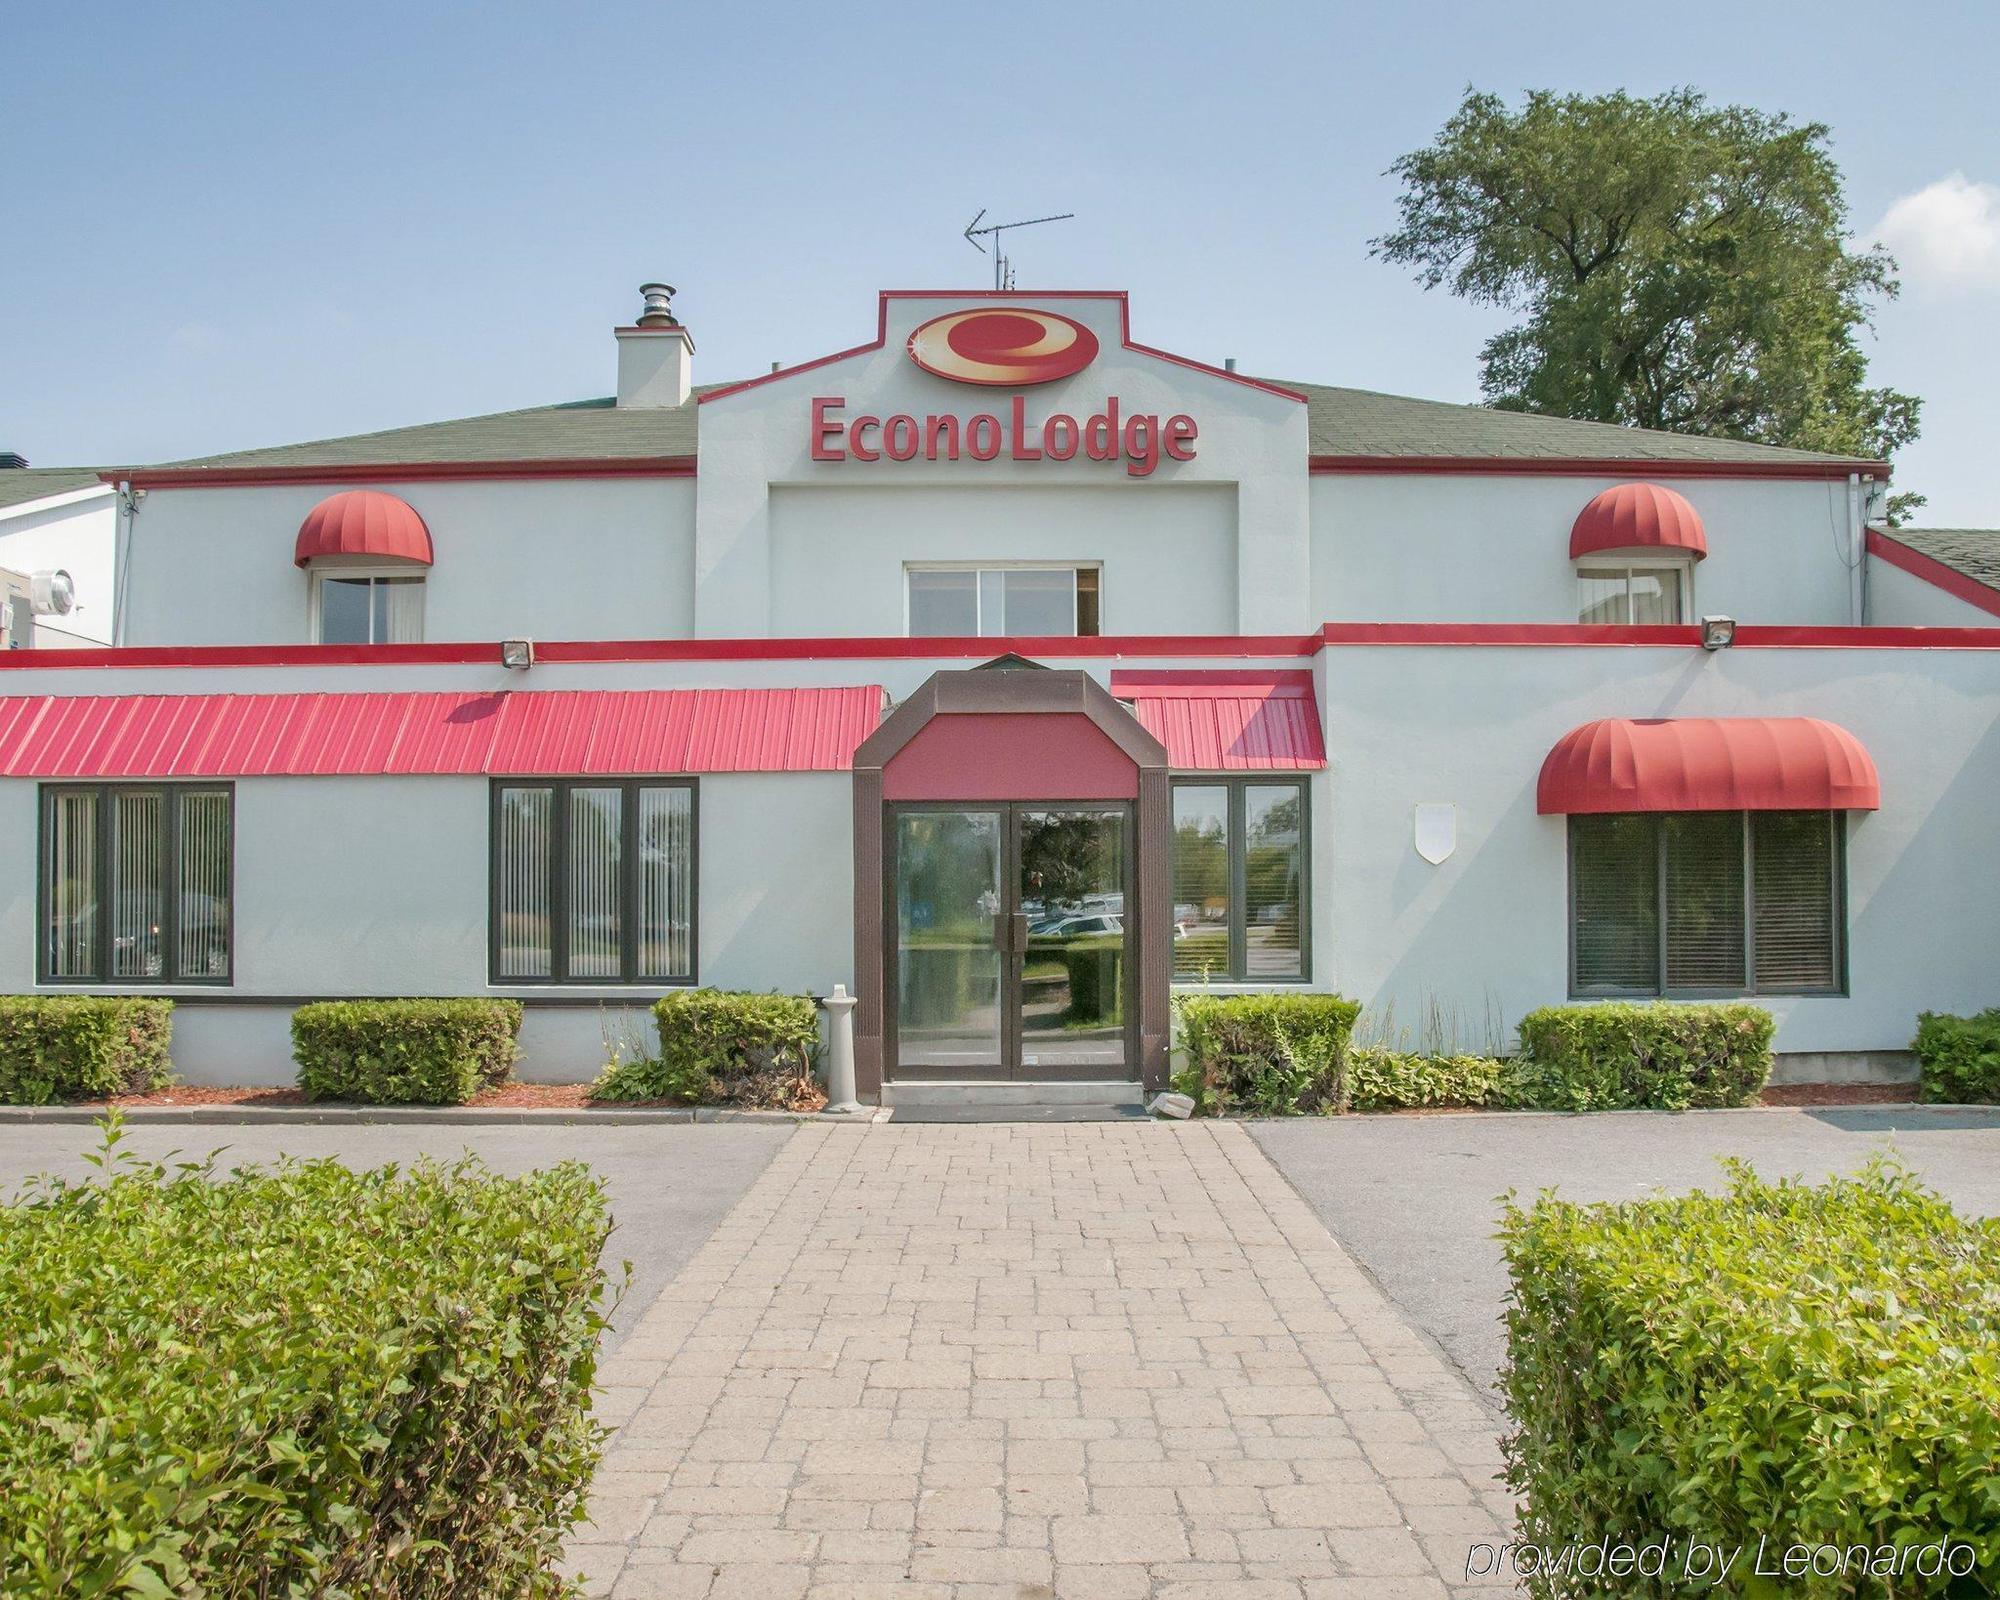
58, 519
1012, 672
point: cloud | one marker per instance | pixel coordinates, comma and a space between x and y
1947, 233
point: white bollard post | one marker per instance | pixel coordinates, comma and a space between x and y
840, 1101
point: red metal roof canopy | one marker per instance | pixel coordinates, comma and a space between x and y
1637, 516
363, 522
555, 733
1228, 721
1708, 764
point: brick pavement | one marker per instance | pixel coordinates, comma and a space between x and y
1096, 1361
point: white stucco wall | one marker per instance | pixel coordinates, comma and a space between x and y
1896, 599
755, 451
838, 554
586, 558
74, 532
1487, 930
1479, 548
378, 886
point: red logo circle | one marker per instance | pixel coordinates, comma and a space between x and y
1009, 348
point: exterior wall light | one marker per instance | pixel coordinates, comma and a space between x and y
517, 655
1718, 633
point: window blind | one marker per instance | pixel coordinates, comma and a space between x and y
1615, 902
1704, 933
1797, 947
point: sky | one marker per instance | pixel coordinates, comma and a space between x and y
231, 225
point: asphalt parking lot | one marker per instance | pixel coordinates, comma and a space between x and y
1416, 1198
670, 1183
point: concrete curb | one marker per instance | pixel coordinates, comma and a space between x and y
463, 1116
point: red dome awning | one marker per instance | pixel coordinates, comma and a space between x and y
1708, 764
363, 522
1637, 516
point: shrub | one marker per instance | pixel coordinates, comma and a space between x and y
1959, 1057
404, 1052
1391, 1080
1268, 1054
724, 1048
1780, 1362
1664, 1055
74, 1046
301, 1380
1096, 974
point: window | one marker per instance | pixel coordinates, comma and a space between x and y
1240, 881
367, 608
1707, 902
965, 602
593, 882
136, 884
1621, 595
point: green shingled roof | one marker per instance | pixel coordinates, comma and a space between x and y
1342, 422
1974, 552
19, 485
1360, 422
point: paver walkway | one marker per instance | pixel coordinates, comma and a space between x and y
1084, 1360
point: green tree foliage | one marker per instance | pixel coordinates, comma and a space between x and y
1677, 265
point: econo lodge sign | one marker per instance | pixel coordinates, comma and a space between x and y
1013, 348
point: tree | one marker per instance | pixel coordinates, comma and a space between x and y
1677, 266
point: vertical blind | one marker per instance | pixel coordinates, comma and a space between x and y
1706, 902
593, 882
136, 884
1239, 865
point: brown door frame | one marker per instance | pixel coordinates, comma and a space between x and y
976, 692
1011, 1066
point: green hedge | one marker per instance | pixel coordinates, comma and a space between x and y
1266, 1054
1096, 969
719, 1047
1799, 1365
404, 1052
70, 1047
1665, 1054
1959, 1058
297, 1381
1393, 1080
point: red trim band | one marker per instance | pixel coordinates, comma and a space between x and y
1249, 647
400, 472
881, 338
1907, 558
1591, 467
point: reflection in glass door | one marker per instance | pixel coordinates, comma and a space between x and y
1071, 996
949, 964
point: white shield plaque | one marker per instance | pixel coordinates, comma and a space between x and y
1437, 829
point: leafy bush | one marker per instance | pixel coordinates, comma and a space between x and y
297, 1381
1391, 1080
1096, 975
1959, 1057
404, 1052
74, 1046
1665, 1054
1267, 1054
723, 1048
1780, 1362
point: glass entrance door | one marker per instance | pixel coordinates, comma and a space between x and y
1070, 1001
1010, 943
950, 958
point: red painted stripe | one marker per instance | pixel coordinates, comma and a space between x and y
1906, 558
554, 732
1591, 467
1751, 636
399, 472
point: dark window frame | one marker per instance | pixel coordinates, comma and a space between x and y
104, 794
1751, 988
559, 885
1236, 833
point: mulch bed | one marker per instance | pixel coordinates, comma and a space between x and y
533, 1096
1841, 1094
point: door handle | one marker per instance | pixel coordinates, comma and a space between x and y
1020, 933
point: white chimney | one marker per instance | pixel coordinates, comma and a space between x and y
655, 355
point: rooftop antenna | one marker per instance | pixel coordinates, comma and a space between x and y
1003, 267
